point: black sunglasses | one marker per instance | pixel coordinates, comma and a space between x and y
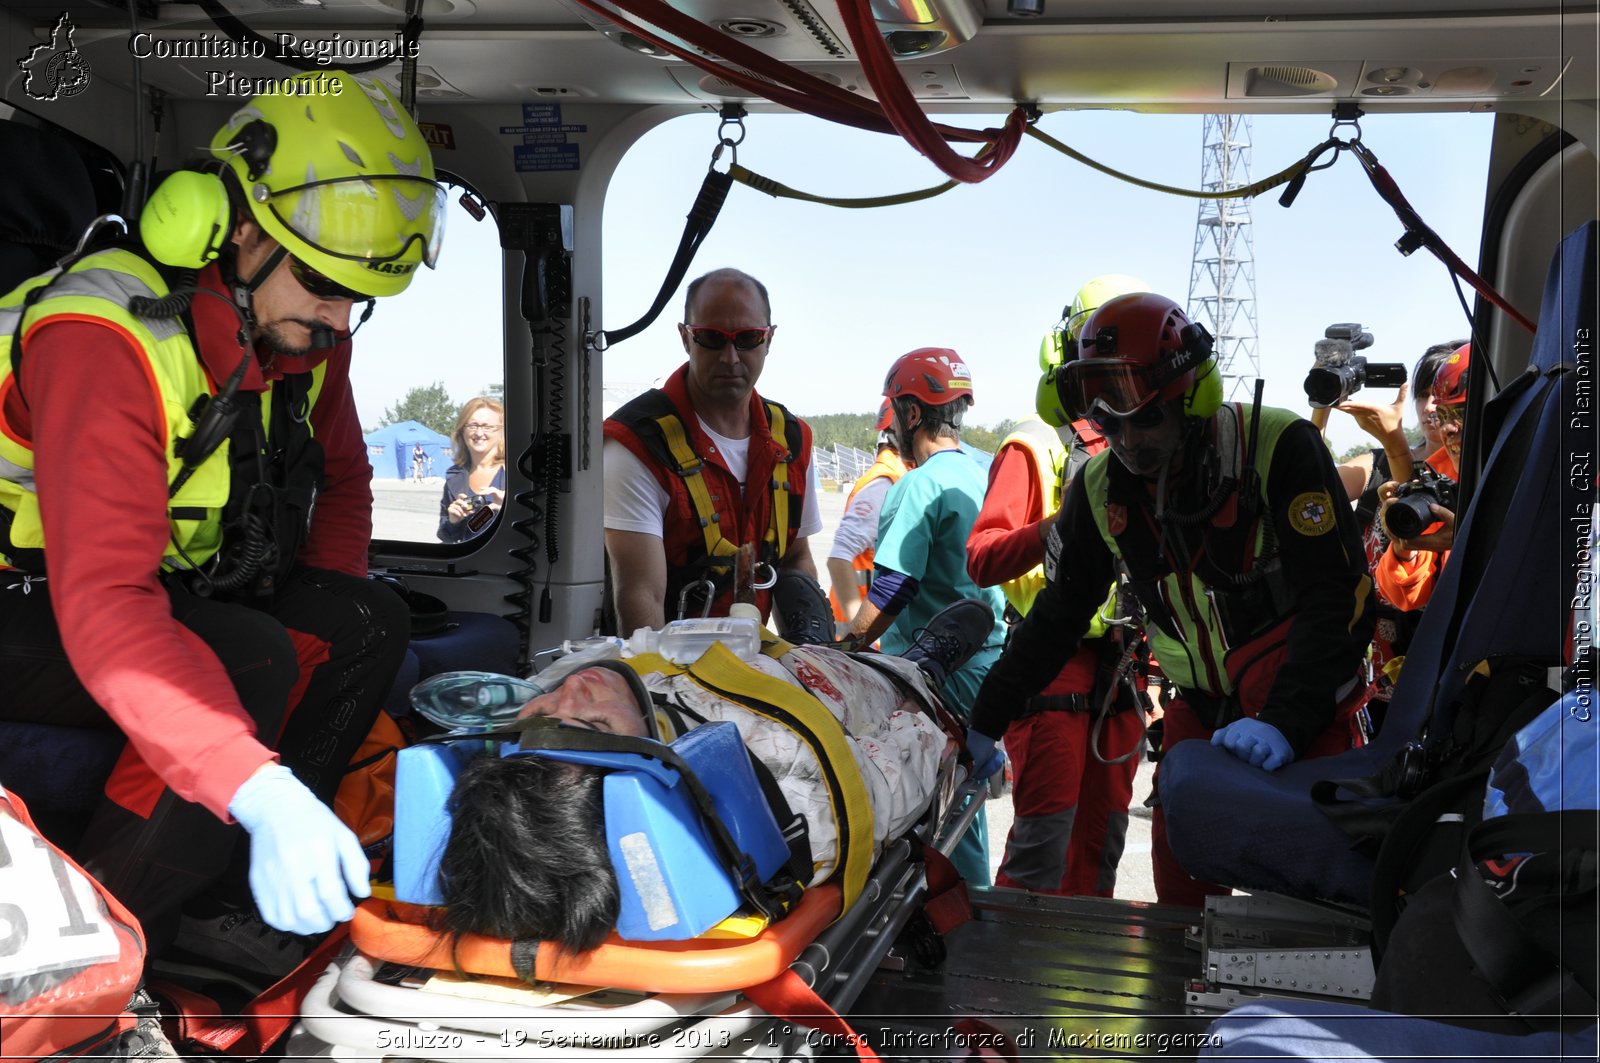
1109, 424
714, 339
316, 284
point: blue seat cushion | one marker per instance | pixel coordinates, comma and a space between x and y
396, 702
470, 642
57, 768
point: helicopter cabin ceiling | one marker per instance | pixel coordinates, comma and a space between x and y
1158, 55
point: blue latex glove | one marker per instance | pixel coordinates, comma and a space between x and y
1259, 744
986, 759
304, 863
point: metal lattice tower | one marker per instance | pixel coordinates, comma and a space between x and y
1222, 279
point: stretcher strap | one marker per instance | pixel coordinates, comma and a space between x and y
948, 905
788, 997
798, 712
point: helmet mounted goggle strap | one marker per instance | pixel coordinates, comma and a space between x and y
1101, 380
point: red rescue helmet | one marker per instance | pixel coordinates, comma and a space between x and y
935, 375
885, 417
1450, 382
1140, 349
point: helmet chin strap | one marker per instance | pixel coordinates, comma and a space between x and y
323, 338
244, 290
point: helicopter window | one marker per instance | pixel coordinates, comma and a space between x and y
422, 358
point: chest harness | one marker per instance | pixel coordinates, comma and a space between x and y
709, 572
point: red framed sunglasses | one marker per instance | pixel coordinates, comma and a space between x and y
715, 339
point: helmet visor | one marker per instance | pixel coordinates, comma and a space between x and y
369, 219
1106, 385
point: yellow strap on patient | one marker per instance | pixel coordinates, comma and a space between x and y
793, 708
723, 673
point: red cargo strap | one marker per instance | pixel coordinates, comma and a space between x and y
788, 997
199, 1021
947, 905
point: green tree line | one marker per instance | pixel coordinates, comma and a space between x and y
432, 406
856, 430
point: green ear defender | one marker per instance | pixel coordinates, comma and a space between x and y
1047, 400
1204, 396
187, 221
1051, 350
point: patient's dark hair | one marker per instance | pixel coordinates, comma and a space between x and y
527, 857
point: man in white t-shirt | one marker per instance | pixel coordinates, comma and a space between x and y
703, 464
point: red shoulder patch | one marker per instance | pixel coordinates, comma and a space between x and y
1116, 518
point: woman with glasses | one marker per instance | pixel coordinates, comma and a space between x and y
475, 486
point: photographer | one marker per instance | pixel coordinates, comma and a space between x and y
1409, 568
475, 486
1364, 475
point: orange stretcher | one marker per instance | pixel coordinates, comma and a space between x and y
400, 933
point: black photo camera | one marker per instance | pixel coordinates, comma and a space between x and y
1339, 372
481, 516
1410, 513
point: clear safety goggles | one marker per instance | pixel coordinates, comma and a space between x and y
350, 217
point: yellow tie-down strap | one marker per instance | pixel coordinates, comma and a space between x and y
689, 467
722, 673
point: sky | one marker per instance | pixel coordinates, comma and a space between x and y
986, 269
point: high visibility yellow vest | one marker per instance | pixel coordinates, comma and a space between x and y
99, 287
1192, 609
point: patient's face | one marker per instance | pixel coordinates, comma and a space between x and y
596, 698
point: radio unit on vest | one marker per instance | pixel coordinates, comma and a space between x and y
213, 418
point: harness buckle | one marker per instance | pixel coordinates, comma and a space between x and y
766, 582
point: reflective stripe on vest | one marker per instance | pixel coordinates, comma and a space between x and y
1199, 637
98, 289
723, 674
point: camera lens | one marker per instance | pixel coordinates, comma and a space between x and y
1326, 387
1409, 514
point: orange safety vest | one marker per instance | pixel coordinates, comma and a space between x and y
887, 466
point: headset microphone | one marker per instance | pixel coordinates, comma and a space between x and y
323, 338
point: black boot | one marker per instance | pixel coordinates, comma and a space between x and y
954, 634
801, 611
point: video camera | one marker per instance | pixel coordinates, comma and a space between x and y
1339, 372
1410, 513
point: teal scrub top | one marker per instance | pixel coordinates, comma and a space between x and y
922, 533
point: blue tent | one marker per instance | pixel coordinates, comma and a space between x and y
389, 449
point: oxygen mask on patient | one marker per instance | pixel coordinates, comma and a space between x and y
483, 701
